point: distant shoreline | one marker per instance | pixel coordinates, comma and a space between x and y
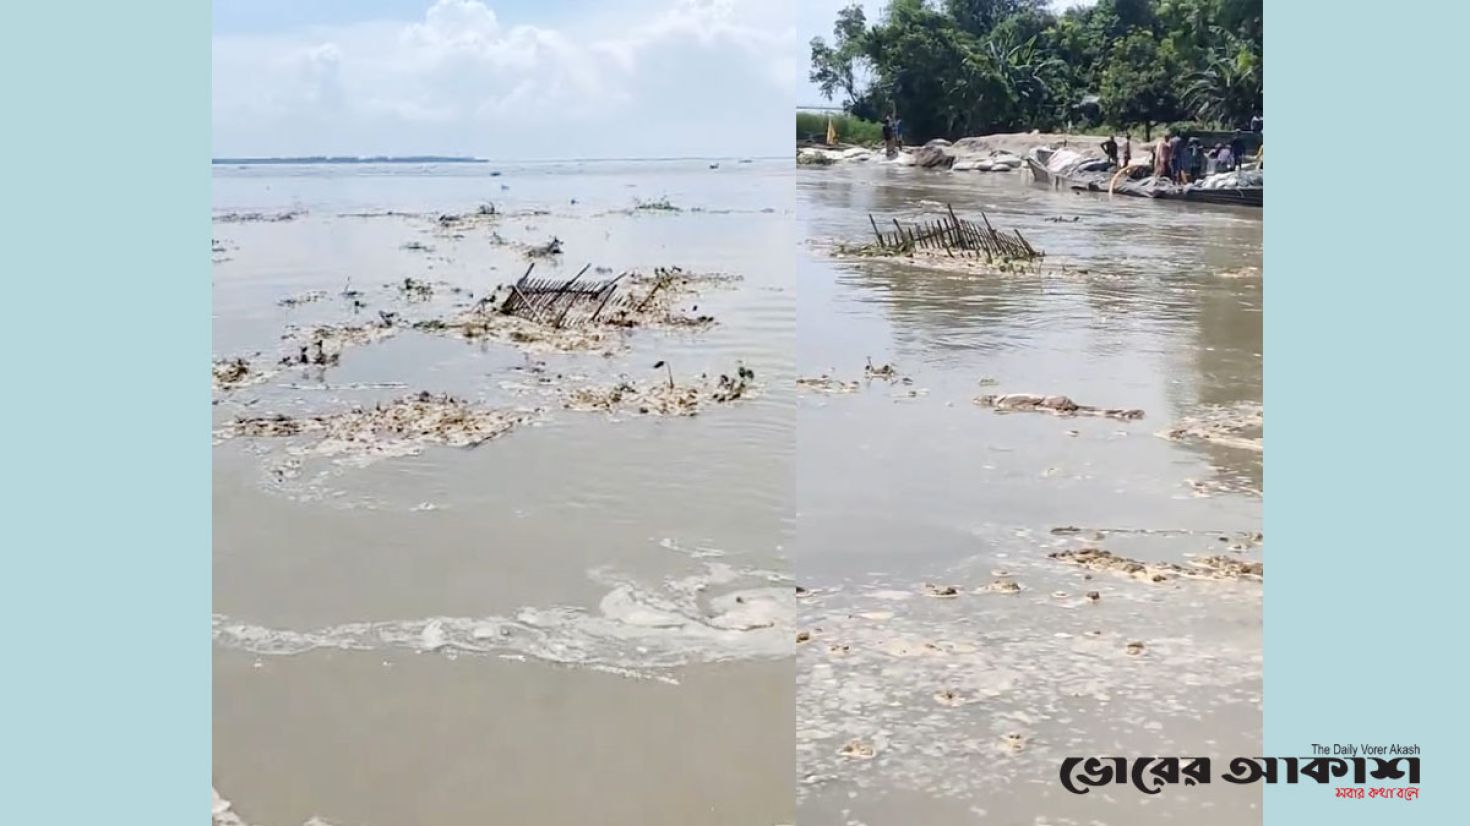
325, 159
421, 159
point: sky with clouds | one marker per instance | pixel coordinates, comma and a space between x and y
504, 79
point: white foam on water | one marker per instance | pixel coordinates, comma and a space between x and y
222, 814
635, 631
964, 704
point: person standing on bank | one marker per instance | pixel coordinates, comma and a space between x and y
1224, 160
1163, 161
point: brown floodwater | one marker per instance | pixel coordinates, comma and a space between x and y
588, 619
917, 709
584, 620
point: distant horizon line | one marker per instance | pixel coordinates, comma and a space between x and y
466, 159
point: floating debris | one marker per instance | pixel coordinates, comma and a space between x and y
1240, 427
662, 398
1210, 567
827, 384
237, 372
1244, 538
417, 246
858, 750
578, 314
384, 214
1057, 405
304, 298
953, 699
413, 289
455, 225
660, 205
550, 249
1225, 567
397, 428
252, 217
1213, 487
1133, 649
884, 371
323, 345
530, 336
940, 591
1001, 586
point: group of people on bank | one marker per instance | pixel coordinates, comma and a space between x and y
1184, 161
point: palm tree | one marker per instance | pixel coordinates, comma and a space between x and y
1228, 89
1020, 70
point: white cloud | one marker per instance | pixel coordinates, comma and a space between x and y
697, 77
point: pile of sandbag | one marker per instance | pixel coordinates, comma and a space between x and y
1237, 179
1064, 160
999, 162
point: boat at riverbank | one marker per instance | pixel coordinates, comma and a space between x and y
1065, 168
1069, 168
1251, 196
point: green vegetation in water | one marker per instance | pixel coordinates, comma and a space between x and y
812, 126
953, 68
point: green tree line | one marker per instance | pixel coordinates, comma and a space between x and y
811, 126
951, 68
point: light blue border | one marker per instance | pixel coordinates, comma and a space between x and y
104, 345
105, 590
1366, 338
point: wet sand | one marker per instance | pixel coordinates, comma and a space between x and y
950, 661
587, 617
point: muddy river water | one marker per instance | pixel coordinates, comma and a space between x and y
589, 617
584, 620
921, 704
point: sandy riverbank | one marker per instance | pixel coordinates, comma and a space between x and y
1001, 152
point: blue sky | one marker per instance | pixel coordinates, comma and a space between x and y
507, 79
